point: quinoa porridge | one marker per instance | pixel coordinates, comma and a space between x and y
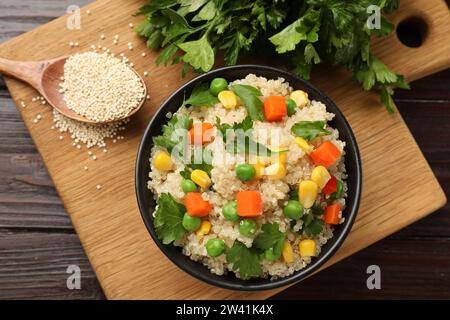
256, 183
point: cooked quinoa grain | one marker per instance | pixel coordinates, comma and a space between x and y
100, 87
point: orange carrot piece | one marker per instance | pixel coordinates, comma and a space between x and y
196, 206
331, 215
201, 133
249, 204
325, 155
275, 108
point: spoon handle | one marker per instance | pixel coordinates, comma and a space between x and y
30, 72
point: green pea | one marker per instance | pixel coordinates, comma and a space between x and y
247, 227
188, 186
293, 210
215, 247
229, 211
339, 191
245, 172
291, 106
217, 85
191, 223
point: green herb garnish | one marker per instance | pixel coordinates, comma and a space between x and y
302, 33
311, 225
245, 260
293, 194
242, 132
169, 139
168, 219
201, 96
270, 238
310, 129
249, 96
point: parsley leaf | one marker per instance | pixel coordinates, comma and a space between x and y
270, 237
312, 226
309, 129
199, 54
317, 210
168, 219
245, 125
293, 194
249, 96
201, 96
242, 142
245, 260
186, 173
333, 32
170, 137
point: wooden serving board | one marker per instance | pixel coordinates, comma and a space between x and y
399, 187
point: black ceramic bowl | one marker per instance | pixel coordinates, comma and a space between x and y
147, 203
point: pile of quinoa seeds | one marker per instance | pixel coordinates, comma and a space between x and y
101, 87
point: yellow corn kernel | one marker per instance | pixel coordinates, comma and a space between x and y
307, 248
259, 168
276, 171
228, 99
204, 229
280, 155
163, 161
288, 253
300, 97
201, 178
320, 175
303, 144
307, 193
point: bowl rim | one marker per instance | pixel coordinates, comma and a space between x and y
280, 282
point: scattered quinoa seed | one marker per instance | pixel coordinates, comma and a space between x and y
99, 187
85, 168
89, 134
143, 54
130, 25
102, 37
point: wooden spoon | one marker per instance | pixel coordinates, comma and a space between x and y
45, 77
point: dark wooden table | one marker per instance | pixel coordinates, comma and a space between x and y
38, 242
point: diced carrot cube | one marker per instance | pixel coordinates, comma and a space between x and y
331, 215
275, 108
196, 206
249, 204
201, 133
325, 155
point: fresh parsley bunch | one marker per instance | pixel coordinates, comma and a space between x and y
304, 32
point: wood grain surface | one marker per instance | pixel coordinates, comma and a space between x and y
402, 130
